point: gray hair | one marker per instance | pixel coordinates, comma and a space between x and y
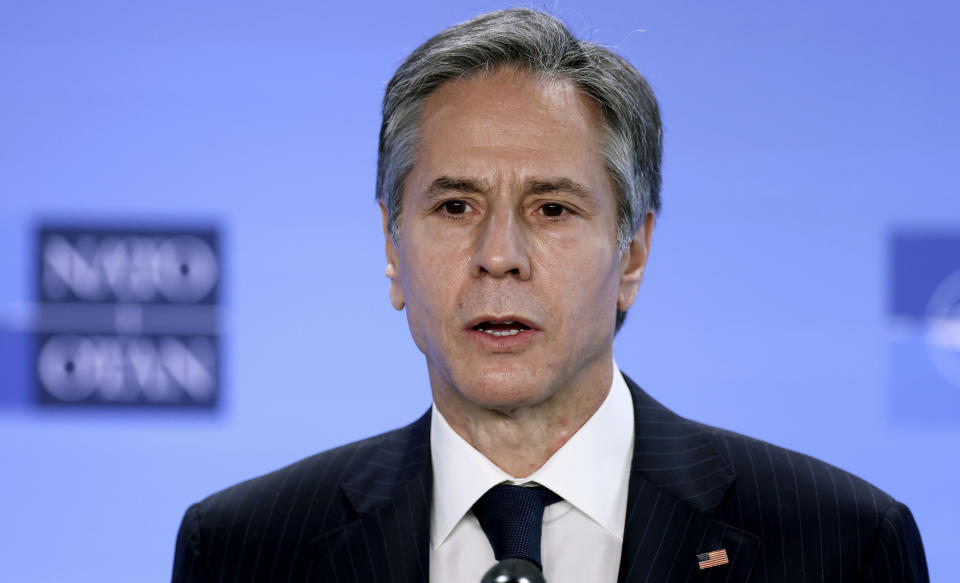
539, 44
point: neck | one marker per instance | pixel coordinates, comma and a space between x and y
520, 440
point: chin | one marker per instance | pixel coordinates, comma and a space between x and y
504, 387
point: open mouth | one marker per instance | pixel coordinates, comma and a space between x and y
502, 328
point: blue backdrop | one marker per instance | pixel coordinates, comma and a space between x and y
807, 171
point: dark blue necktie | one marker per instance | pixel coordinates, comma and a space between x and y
512, 518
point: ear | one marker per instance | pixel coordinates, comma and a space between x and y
393, 261
633, 262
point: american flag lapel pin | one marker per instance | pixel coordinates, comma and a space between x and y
712, 559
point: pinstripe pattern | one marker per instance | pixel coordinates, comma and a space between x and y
816, 522
360, 514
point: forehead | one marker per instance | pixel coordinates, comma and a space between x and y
492, 90
508, 120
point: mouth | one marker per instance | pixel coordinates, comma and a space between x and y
500, 328
502, 334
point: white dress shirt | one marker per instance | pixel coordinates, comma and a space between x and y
582, 534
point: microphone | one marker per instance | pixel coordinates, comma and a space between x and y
513, 571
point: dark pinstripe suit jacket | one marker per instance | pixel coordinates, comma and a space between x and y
360, 513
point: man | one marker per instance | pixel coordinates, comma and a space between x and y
519, 180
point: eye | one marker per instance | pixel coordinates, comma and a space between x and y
455, 207
553, 209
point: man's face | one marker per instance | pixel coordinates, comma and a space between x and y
508, 262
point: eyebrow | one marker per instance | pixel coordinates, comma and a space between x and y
562, 184
456, 184
536, 185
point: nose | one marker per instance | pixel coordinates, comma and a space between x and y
502, 247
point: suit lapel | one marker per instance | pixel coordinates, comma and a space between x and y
391, 493
677, 480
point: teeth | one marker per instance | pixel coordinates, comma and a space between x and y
513, 332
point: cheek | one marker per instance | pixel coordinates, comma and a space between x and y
584, 263
584, 277
428, 280
419, 285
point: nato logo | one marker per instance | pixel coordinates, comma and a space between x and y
127, 317
925, 328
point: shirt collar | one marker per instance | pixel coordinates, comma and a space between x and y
591, 470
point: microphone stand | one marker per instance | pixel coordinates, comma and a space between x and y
514, 571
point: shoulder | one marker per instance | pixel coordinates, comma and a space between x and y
808, 511
263, 525
807, 515
281, 510
774, 474
318, 474
764, 476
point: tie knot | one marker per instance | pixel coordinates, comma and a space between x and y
512, 518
